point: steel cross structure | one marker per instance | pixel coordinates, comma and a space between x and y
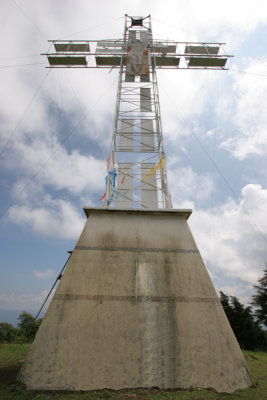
137, 175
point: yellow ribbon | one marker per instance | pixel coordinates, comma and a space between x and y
156, 168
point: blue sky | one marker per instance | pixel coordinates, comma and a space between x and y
55, 133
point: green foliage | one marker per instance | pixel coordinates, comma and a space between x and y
248, 332
8, 333
259, 300
28, 326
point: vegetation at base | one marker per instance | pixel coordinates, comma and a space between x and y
246, 322
247, 330
259, 300
25, 333
12, 356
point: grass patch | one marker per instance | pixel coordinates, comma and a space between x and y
13, 353
12, 356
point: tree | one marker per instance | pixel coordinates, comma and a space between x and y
259, 300
8, 333
248, 332
225, 300
28, 326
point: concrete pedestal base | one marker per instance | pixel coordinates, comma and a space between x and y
135, 308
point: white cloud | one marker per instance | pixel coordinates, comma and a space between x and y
58, 219
188, 186
232, 238
43, 274
25, 301
241, 290
191, 20
250, 116
45, 164
184, 95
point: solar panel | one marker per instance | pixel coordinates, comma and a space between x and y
129, 78
206, 61
202, 49
67, 61
167, 61
144, 78
112, 61
72, 47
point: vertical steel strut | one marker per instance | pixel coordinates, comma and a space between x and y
137, 175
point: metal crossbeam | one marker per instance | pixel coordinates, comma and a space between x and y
108, 53
137, 175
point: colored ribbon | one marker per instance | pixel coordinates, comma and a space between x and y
156, 168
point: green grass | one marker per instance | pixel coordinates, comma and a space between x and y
13, 353
12, 356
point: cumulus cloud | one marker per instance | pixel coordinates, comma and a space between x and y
242, 290
58, 219
188, 186
250, 116
232, 22
232, 237
184, 97
43, 274
53, 166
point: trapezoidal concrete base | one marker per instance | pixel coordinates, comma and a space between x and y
135, 308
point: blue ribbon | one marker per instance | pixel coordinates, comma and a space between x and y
113, 175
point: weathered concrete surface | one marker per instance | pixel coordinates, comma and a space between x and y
135, 308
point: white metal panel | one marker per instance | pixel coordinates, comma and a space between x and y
145, 100
126, 135
202, 49
147, 135
102, 50
163, 48
125, 185
107, 43
72, 47
149, 193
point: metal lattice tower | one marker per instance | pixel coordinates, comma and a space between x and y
137, 176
